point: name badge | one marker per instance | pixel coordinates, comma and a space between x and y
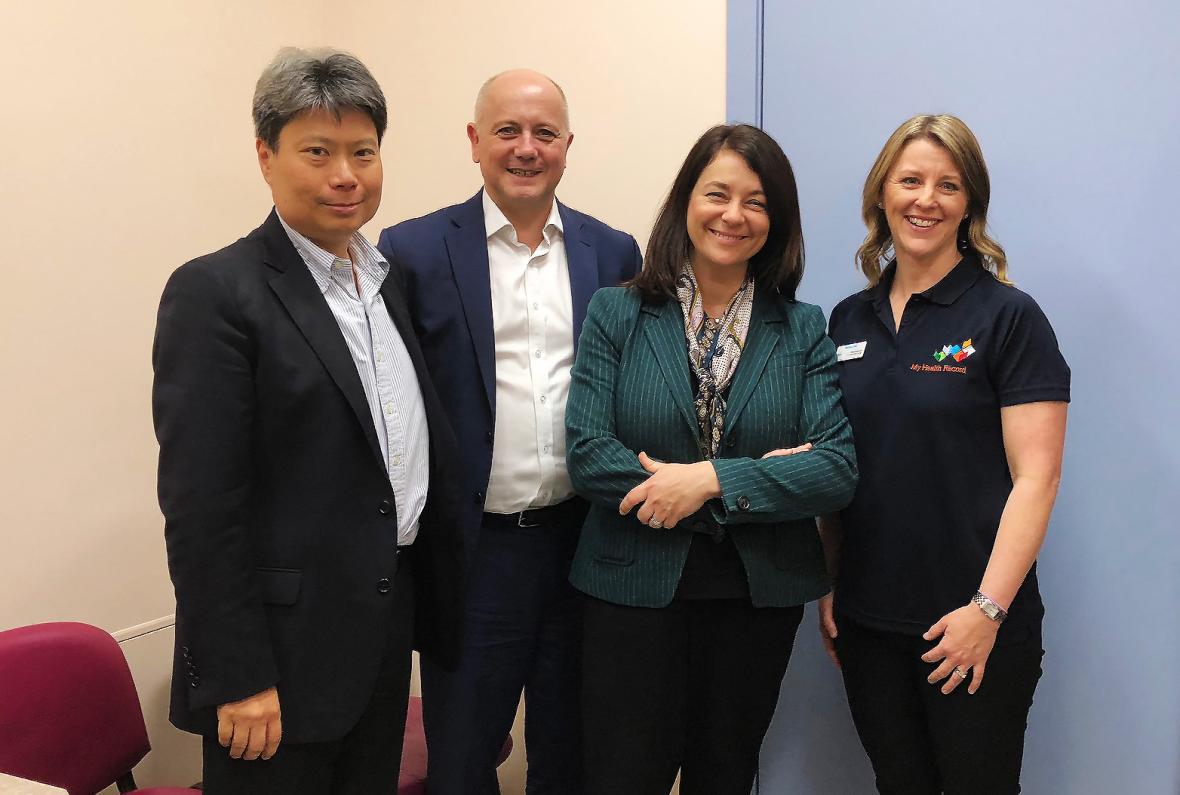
853, 350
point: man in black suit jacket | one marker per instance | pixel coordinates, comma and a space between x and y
498, 288
303, 458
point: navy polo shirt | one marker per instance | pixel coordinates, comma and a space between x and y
924, 403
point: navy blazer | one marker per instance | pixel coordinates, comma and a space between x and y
445, 256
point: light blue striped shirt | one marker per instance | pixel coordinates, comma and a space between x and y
383, 364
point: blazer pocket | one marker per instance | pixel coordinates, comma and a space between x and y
786, 358
279, 586
616, 544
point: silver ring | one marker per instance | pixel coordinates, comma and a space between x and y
960, 672
656, 523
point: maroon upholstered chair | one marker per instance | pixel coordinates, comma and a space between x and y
69, 713
413, 773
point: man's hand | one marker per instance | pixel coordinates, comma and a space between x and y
251, 728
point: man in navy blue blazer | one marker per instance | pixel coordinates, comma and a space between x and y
498, 288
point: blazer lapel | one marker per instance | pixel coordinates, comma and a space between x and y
583, 267
467, 247
765, 322
664, 330
300, 295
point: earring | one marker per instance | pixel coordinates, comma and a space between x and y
880, 206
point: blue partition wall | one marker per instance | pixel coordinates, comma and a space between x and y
1077, 107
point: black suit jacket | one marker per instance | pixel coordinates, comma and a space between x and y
449, 291
280, 520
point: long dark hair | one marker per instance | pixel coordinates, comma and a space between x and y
778, 265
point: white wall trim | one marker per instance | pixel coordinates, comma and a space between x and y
139, 630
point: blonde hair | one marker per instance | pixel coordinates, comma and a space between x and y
956, 138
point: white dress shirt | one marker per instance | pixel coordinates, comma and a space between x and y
384, 366
533, 322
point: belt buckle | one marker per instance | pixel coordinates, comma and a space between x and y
521, 523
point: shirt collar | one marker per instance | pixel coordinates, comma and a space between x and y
494, 220
945, 292
371, 267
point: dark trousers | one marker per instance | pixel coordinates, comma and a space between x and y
365, 761
921, 742
689, 687
522, 631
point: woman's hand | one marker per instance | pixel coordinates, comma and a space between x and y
967, 640
673, 492
827, 626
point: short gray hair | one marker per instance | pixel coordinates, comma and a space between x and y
298, 80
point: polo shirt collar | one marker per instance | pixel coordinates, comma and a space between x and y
945, 292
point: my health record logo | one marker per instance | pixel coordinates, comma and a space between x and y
956, 352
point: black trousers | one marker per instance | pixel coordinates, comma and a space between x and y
522, 631
921, 742
691, 686
366, 761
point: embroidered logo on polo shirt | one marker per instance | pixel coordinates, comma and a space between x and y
950, 359
956, 352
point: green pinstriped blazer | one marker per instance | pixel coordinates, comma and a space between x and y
631, 390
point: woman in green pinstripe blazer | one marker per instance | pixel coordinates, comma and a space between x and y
700, 547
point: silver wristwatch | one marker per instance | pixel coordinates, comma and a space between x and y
989, 608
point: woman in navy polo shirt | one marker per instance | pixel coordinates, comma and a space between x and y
957, 394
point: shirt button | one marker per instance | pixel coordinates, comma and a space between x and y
536, 305
380, 356
397, 460
388, 409
546, 448
537, 354
543, 398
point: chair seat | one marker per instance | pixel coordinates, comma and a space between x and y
165, 791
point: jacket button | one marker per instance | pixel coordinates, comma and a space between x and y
743, 503
385, 507
194, 681
490, 437
479, 498
185, 650
383, 585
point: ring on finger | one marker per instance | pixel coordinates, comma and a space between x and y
656, 523
962, 674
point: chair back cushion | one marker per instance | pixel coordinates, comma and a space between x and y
69, 713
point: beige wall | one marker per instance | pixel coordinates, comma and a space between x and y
127, 149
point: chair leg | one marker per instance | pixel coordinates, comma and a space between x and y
126, 782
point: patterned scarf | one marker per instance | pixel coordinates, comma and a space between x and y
714, 348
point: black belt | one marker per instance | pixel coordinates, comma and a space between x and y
571, 510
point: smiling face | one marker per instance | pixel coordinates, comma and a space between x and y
924, 201
519, 138
727, 218
325, 176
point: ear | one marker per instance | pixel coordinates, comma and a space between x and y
473, 137
569, 141
264, 158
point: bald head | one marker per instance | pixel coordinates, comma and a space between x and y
518, 82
